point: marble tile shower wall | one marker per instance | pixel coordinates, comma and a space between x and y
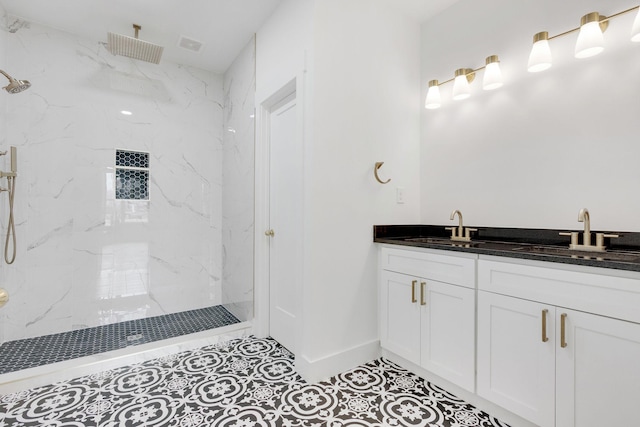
238, 184
84, 258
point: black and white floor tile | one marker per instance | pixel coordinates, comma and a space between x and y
246, 382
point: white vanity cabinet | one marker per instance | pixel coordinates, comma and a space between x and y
559, 346
516, 369
427, 311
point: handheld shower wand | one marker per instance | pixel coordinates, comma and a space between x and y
11, 188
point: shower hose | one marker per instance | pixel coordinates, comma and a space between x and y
11, 227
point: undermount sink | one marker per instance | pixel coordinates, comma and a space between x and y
557, 251
443, 241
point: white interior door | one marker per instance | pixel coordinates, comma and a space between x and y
285, 219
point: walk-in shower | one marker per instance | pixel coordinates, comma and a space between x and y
98, 273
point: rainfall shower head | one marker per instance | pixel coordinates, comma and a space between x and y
15, 86
134, 48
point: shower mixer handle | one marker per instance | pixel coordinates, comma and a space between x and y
14, 163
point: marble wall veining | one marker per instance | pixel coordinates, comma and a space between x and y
83, 257
238, 184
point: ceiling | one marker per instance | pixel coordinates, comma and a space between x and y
223, 27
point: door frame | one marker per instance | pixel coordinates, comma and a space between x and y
261, 323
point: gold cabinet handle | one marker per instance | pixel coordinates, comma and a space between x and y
422, 293
563, 321
269, 233
413, 291
545, 338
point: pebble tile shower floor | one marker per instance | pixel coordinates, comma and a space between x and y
246, 382
32, 352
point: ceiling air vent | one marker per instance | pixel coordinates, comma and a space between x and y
190, 44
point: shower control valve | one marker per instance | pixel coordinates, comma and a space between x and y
4, 297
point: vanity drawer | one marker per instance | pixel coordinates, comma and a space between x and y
431, 264
586, 289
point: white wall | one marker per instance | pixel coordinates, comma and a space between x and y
83, 257
238, 183
534, 152
358, 70
282, 44
366, 109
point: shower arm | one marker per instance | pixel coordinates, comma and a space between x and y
11, 79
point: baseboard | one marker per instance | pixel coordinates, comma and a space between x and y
317, 370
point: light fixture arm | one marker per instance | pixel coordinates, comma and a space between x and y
470, 73
607, 18
604, 22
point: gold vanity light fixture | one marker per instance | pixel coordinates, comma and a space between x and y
492, 75
461, 88
590, 39
461, 80
434, 100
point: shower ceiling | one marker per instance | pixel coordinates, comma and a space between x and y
223, 27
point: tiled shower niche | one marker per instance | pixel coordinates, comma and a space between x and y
132, 175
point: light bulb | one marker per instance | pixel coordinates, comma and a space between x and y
492, 75
540, 56
635, 30
433, 100
590, 39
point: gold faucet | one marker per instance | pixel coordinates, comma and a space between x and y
583, 216
460, 227
460, 233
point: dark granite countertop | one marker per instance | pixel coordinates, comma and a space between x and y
622, 253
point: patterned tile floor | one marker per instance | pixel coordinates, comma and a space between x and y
246, 382
38, 351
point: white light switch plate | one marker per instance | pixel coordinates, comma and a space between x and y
399, 195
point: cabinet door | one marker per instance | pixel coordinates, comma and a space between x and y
400, 315
598, 372
516, 368
448, 332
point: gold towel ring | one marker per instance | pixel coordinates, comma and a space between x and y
375, 173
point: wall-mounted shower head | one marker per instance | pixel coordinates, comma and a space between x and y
15, 86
